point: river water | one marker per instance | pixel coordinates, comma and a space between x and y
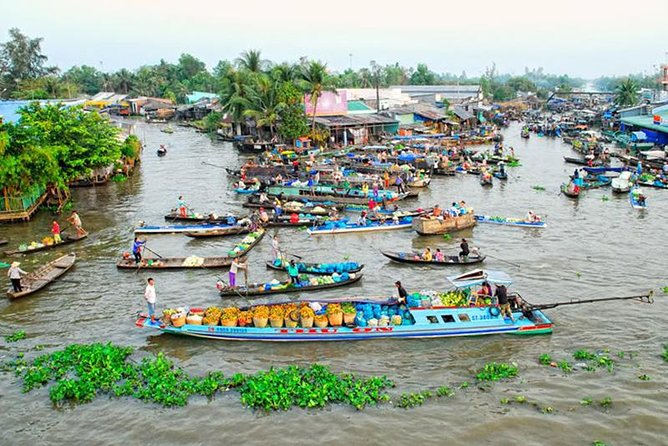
596, 247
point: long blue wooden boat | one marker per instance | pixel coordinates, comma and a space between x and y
343, 227
175, 229
333, 191
420, 321
318, 269
657, 183
509, 221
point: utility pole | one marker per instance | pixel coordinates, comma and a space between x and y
376, 71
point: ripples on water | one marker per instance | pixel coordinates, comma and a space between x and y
591, 248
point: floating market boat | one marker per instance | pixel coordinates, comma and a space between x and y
501, 175
509, 221
222, 229
445, 315
432, 225
302, 221
525, 134
302, 206
596, 182
637, 199
305, 285
318, 194
317, 268
3, 242
249, 191
571, 190
486, 180
210, 218
342, 227
215, 231
175, 263
38, 279
29, 249
656, 183
416, 258
573, 160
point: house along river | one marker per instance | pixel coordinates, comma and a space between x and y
594, 247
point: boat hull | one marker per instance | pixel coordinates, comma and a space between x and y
66, 241
43, 276
175, 229
309, 269
409, 258
432, 226
510, 222
358, 229
255, 292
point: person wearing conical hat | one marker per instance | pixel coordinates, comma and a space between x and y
14, 274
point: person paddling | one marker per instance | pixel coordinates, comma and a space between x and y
14, 273
293, 272
75, 221
464, 246
137, 246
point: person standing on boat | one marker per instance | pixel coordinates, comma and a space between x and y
502, 295
275, 248
76, 222
401, 292
464, 246
150, 297
293, 272
55, 230
137, 249
14, 274
264, 217
181, 206
237, 264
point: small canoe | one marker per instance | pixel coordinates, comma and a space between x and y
208, 218
66, 241
43, 276
331, 228
573, 160
216, 231
259, 289
414, 258
570, 193
509, 221
175, 229
174, 263
4, 242
634, 199
319, 269
501, 176
486, 182
246, 191
598, 181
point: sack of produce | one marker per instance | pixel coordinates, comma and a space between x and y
178, 319
373, 322
194, 319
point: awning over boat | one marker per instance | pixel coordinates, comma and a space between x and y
478, 276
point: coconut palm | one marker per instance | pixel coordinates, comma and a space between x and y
263, 103
627, 93
252, 61
316, 81
285, 72
122, 81
233, 96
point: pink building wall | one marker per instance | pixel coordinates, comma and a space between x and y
329, 104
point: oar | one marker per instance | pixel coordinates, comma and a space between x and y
150, 250
214, 165
497, 258
644, 298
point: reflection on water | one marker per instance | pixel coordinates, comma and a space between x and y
590, 248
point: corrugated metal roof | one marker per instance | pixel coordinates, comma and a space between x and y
355, 120
647, 122
462, 114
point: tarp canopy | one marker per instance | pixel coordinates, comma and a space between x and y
479, 276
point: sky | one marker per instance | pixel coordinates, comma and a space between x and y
583, 38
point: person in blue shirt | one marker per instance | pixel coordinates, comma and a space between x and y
293, 272
137, 249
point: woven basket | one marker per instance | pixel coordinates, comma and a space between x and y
290, 323
260, 322
321, 324
307, 322
335, 320
276, 322
349, 318
179, 320
194, 319
229, 322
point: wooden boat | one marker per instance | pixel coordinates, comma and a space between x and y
525, 134
331, 191
174, 263
432, 226
509, 221
570, 192
657, 184
162, 151
246, 191
573, 160
598, 181
637, 199
260, 289
342, 227
501, 175
286, 222
43, 276
416, 259
417, 321
175, 229
622, 184
4, 242
213, 231
486, 181
305, 206
210, 218
66, 241
318, 269
419, 182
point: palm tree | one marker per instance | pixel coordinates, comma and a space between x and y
233, 96
285, 72
252, 61
627, 93
316, 81
122, 81
264, 105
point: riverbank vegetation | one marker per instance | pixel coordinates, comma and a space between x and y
52, 145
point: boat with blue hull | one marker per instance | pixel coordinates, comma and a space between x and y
221, 229
409, 321
344, 227
509, 221
637, 199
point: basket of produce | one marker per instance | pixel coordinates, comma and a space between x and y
212, 316
167, 315
260, 316
276, 316
349, 313
229, 317
306, 316
321, 321
245, 318
178, 319
335, 315
194, 319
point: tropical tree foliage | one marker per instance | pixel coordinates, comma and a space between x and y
53, 145
627, 93
21, 60
316, 81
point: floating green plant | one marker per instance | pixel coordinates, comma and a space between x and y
444, 391
16, 336
605, 402
496, 372
545, 359
586, 402
644, 377
539, 188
